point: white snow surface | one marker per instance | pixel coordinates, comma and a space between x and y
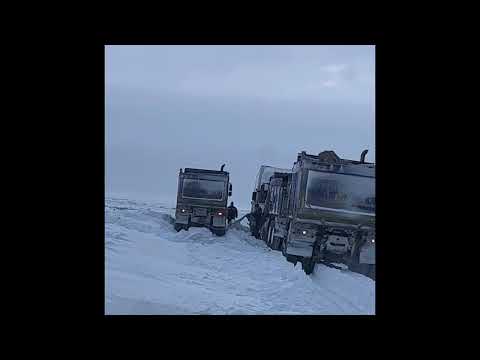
152, 269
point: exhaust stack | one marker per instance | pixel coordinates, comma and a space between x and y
362, 157
221, 169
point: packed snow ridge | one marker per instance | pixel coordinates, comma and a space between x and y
152, 269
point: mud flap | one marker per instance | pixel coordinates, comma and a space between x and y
367, 254
179, 227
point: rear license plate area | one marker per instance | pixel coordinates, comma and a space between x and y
200, 212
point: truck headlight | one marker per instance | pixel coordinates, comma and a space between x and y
304, 232
373, 240
220, 213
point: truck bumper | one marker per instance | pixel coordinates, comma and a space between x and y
300, 247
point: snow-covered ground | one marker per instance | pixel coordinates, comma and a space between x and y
152, 269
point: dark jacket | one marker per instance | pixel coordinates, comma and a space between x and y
232, 212
257, 216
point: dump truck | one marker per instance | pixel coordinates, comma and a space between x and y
322, 211
202, 198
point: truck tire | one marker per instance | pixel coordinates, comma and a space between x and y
292, 259
308, 265
178, 227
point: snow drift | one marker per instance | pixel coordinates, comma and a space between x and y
152, 269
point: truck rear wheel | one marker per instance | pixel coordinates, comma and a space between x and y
308, 265
178, 227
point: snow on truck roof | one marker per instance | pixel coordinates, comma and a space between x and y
331, 161
331, 157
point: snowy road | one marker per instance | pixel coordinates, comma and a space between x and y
152, 269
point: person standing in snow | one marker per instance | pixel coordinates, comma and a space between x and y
257, 216
232, 213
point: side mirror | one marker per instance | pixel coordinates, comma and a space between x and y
254, 196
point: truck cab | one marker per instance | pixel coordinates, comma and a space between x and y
202, 198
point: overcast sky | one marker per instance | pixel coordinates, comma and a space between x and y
171, 107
